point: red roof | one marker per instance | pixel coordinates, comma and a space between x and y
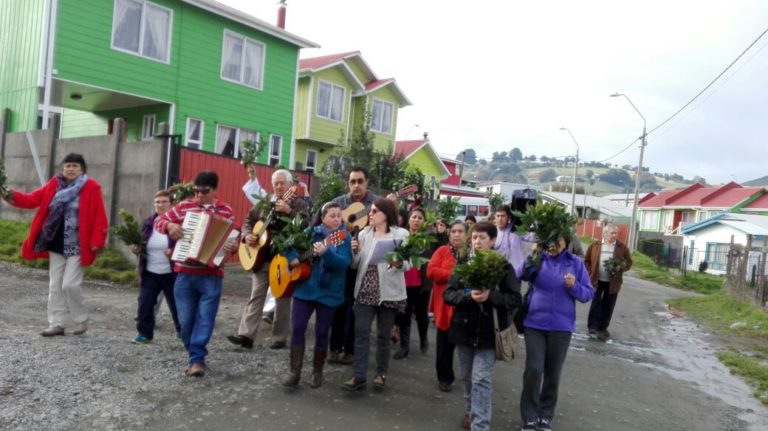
697, 195
658, 201
759, 203
320, 62
406, 148
378, 83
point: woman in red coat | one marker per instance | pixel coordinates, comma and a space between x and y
439, 271
69, 228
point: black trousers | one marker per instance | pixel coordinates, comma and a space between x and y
601, 308
418, 304
343, 324
151, 286
444, 357
545, 353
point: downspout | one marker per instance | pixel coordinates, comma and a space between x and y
52, 12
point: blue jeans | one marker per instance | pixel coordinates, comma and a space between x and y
476, 370
197, 302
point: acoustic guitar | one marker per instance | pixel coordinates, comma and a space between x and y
356, 214
254, 256
283, 279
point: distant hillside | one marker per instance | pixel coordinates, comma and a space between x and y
763, 181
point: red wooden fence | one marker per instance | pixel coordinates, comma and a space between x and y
594, 229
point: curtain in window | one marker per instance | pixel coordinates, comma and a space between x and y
231, 58
376, 115
194, 137
225, 140
386, 118
324, 100
254, 54
127, 25
156, 31
337, 104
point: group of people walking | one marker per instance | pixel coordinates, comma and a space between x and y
350, 285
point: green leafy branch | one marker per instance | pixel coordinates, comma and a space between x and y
412, 248
548, 221
4, 191
181, 191
448, 208
483, 271
293, 236
613, 266
130, 232
252, 150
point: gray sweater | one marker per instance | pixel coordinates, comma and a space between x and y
391, 280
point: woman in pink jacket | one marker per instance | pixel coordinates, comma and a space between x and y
69, 228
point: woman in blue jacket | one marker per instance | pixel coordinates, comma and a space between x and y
558, 280
321, 293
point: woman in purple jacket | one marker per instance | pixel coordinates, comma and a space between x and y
558, 280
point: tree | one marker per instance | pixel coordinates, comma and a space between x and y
470, 157
357, 151
547, 175
516, 155
700, 180
566, 188
544, 159
499, 156
388, 170
495, 200
647, 180
531, 158
617, 177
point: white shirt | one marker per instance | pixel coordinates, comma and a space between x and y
606, 252
157, 261
252, 187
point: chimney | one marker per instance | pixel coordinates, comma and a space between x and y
426, 135
281, 14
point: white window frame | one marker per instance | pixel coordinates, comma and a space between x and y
245, 40
239, 131
187, 140
649, 220
381, 115
330, 101
141, 31
273, 160
148, 134
306, 161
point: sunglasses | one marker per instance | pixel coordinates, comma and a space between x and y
203, 190
373, 211
357, 181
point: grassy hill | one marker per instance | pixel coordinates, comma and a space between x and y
762, 181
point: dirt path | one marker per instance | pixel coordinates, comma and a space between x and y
658, 373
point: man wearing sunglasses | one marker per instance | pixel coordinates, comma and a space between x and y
197, 289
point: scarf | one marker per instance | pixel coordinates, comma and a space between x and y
65, 193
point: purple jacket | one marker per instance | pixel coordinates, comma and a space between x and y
552, 306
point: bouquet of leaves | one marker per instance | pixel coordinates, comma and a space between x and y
412, 248
613, 266
181, 191
293, 236
483, 271
129, 232
4, 192
548, 221
251, 151
264, 204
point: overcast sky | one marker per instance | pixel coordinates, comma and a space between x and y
497, 74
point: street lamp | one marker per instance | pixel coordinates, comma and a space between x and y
632, 233
575, 170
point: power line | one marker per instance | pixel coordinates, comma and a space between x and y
711, 83
620, 152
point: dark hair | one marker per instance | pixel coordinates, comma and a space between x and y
487, 227
470, 217
506, 209
322, 212
403, 217
359, 169
75, 158
207, 178
417, 209
388, 208
464, 225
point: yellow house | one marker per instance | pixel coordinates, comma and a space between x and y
422, 155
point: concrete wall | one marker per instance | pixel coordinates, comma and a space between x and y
20, 167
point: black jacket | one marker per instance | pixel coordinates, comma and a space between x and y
473, 326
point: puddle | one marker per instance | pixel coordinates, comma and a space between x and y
684, 353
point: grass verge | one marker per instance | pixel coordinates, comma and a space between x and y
110, 265
752, 368
647, 269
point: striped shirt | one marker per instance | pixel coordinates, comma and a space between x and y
176, 215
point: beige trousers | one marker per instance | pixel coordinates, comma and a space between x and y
249, 323
65, 297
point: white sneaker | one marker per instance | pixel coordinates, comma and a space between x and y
80, 328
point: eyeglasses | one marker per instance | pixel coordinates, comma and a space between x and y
203, 190
373, 211
357, 180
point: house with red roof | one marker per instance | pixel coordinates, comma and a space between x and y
336, 96
670, 211
421, 154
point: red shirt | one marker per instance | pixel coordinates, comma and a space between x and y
439, 271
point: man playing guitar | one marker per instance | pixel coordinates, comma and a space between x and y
282, 181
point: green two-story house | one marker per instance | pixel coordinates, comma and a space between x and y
215, 75
334, 94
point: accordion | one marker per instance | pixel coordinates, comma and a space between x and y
204, 238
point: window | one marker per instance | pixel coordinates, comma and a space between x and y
242, 60
311, 160
142, 28
148, 127
717, 255
649, 220
330, 101
381, 116
275, 148
194, 134
229, 140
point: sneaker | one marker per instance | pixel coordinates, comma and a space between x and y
544, 424
140, 339
52, 331
530, 426
603, 335
80, 328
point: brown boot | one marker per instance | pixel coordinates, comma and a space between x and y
294, 371
317, 368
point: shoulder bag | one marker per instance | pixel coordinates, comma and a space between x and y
506, 340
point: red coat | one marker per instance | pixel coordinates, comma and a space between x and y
92, 217
439, 271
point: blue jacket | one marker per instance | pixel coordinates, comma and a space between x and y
329, 272
551, 305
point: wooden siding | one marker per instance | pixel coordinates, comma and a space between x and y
192, 79
82, 123
301, 129
322, 129
21, 24
426, 164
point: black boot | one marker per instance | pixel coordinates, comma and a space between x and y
317, 368
294, 371
404, 341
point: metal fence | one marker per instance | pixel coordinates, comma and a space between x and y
746, 276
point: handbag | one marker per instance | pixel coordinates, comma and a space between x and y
506, 339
